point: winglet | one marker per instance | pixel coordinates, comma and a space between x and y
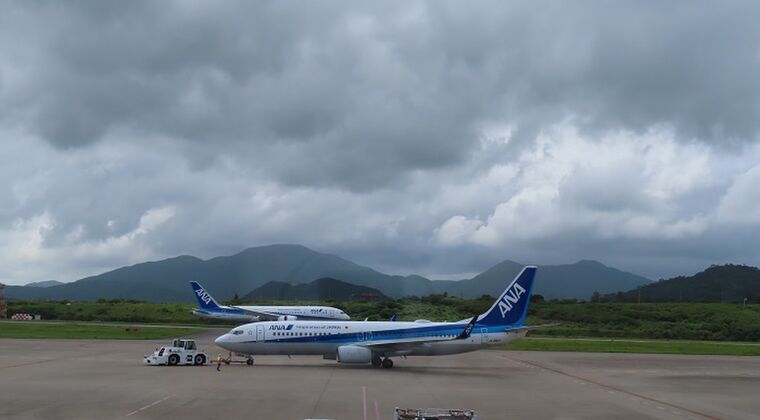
394, 317
468, 329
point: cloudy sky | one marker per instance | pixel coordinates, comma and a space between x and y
415, 137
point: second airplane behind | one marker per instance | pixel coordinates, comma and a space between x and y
209, 308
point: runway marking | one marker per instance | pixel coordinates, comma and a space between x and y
646, 399
154, 403
324, 389
364, 400
36, 362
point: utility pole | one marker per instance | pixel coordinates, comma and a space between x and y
3, 302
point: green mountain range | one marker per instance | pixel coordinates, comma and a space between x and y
719, 283
325, 288
167, 280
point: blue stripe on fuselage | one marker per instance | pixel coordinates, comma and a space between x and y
383, 335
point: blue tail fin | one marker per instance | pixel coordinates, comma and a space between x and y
512, 305
205, 301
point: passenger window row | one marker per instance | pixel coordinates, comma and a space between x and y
299, 334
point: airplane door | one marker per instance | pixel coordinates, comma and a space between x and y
259, 333
484, 335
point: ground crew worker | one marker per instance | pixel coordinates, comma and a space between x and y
218, 362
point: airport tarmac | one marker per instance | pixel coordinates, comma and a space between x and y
105, 379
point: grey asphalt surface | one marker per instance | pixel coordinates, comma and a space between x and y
105, 379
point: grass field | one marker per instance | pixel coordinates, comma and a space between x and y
615, 345
96, 330
80, 330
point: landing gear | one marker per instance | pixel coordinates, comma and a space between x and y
377, 361
387, 363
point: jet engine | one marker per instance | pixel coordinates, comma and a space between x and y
353, 354
287, 318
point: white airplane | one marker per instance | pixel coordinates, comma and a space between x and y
376, 341
210, 309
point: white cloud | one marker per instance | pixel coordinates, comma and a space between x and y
741, 203
621, 186
456, 230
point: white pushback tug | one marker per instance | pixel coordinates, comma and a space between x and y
180, 352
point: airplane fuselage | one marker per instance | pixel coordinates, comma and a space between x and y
323, 338
247, 313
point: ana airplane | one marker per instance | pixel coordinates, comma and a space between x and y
377, 341
210, 309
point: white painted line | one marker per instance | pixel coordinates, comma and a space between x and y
364, 399
154, 403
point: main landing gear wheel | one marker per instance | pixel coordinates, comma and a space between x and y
387, 363
249, 361
200, 359
173, 360
377, 361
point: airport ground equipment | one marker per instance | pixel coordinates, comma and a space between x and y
180, 352
248, 359
433, 413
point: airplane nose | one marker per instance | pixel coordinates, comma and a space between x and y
221, 340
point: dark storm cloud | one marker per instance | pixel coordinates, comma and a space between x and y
356, 95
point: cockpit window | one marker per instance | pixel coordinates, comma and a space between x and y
237, 332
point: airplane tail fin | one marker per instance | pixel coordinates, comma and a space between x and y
205, 300
512, 306
465, 334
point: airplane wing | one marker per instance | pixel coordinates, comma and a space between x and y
262, 315
403, 344
528, 328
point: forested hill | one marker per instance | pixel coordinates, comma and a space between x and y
320, 289
719, 283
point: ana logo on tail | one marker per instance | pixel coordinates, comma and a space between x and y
202, 295
510, 298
